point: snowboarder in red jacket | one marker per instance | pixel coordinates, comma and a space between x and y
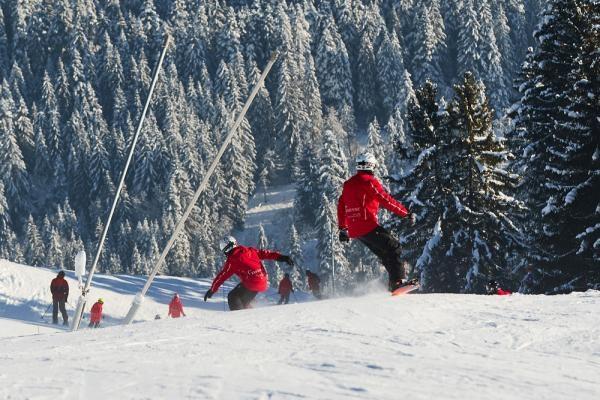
60, 292
176, 307
314, 283
96, 314
245, 262
285, 288
361, 198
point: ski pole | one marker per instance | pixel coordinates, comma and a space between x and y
46, 312
223, 292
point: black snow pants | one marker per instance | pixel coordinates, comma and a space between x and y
56, 304
284, 299
387, 248
240, 298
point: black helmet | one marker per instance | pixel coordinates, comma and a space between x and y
61, 274
491, 287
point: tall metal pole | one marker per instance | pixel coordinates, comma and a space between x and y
86, 288
139, 298
332, 261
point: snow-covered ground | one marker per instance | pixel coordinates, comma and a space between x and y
25, 295
369, 347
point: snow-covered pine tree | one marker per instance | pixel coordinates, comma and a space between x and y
295, 251
33, 246
482, 231
262, 121
583, 130
426, 190
428, 41
307, 184
333, 167
333, 68
291, 115
24, 132
5, 226
558, 151
376, 147
390, 71
366, 85
13, 172
399, 152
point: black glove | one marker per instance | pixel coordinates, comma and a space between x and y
343, 235
286, 259
208, 295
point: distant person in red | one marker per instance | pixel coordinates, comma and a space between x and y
361, 198
285, 288
96, 314
314, 283
493, 287
245, 262
60, 292
176, 307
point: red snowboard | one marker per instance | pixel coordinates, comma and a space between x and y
404, 290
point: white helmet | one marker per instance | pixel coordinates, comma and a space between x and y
366, 162
227, 244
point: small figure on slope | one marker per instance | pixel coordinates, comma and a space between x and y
60, 293
493, 287
96, 314
361, 198
245, 262
285, 288
314, 283
176, 307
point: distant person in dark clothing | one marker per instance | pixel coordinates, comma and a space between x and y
314, 283
60, 292
285, 288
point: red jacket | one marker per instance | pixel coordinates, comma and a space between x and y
359, 203
502, 292
285, 286
59, 289
96, 313
245, 263
176, 308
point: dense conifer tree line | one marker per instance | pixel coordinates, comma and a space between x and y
423, 84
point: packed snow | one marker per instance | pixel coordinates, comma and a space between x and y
368, 347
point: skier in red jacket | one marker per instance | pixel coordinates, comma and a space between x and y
245, 262
60, 292
285, 288
96, 314
361, 198
176, 307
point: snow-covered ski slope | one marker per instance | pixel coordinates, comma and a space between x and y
370, 347
25, 295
